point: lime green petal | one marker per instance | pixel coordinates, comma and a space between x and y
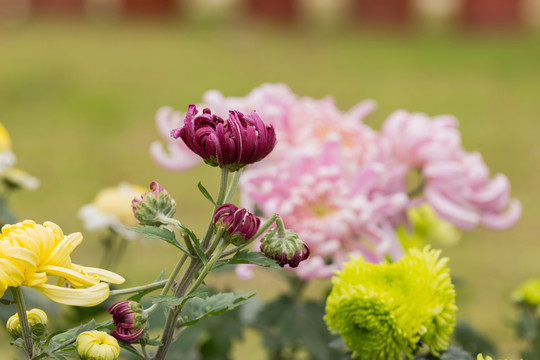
104, 275
90, 296
70, 275
62, 251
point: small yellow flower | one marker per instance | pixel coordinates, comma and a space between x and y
528, 292
111, 208
5, 140
30, 252
97, 345
35, 316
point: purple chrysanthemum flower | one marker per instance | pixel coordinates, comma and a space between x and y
129, 321
240, 225
233, 143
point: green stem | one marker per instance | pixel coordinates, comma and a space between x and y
108, 243
223, 245
23, 320
172, 316
119, 253
233, 186
153, 286
261, 230
174, 274
219, 234
281, 227
221, 195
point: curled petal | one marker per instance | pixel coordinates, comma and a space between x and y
505, 220
90, 296
104, 275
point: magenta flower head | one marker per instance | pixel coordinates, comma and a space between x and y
233, 143
129, 321
153, 207
285, 247
240, 225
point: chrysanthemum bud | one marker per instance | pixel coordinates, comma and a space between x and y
233, 143
97, 345
528, 293
35, 316
154, 206
129, 321
240, 225
284, 247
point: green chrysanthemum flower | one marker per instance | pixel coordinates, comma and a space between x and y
384, 310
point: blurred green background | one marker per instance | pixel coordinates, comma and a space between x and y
79, 99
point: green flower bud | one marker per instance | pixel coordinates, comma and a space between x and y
285, 247
154, 206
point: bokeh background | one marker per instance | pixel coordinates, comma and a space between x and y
79, 88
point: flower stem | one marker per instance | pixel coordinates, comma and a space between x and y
233, 186
221, 195
174, 273
152, 286
23, 320
280, 227
209, 266
261, 230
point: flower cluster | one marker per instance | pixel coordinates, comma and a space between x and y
30, 253
384, 310
341, 185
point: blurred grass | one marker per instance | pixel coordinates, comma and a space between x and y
79, 102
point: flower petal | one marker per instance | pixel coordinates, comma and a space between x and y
90, 296
104, 275
62, 251
73, 276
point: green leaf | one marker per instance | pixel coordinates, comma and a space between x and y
170, 300
6, 302
191, 235
196, 309
256, 258
153, 232
201, 254
205, 193
472, 341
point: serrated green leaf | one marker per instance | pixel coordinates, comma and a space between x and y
205, 193
252, 257
196, 309
152, 232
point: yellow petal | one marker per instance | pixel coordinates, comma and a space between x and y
91, 296
12, 275
62, 251
104, 275
70, 275
21, 257
35, 278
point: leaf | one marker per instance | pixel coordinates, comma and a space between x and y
196, 309
456, 353
6, 302
201, 254
153, 232
253, 257
472, 341
205, 193
170, 300
191, 235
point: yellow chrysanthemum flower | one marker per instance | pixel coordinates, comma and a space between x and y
97, 345
384, 310
35, 316
30, 252
112, 209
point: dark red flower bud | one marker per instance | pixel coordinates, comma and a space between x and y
240, 225
129, 321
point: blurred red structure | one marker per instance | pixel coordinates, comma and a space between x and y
492, 13
150, 8
384, 12
58, 7
284, 10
